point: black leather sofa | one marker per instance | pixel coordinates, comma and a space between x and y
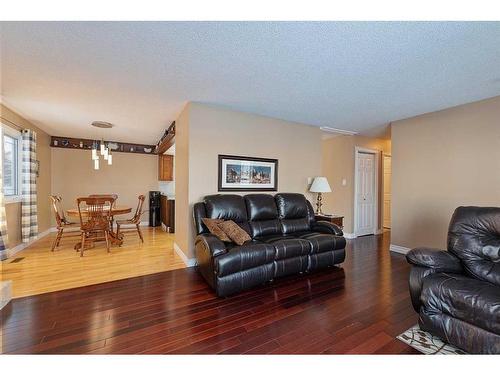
457, 292
286, 239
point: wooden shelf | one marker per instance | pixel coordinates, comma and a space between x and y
86, 144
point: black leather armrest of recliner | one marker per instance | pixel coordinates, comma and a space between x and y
425, 262
438, 260
212, 244
207, 247
327, 227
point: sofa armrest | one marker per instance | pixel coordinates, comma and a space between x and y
438, 260
214, 245
327, 227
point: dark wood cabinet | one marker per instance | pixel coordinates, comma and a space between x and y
334, 219
165, 167
167, 213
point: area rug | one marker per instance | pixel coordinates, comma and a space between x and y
426, 343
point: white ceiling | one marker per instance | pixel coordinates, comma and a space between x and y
138, 75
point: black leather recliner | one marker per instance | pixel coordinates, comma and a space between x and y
457, 292
286, 239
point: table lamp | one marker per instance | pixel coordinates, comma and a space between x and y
320, 185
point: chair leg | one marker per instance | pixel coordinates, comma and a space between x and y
117, 230
56, 240
59, 236
107, 239
83, 244
140, 233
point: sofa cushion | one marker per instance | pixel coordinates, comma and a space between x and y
239, 258
265, 228
234, 232
291, 206
261, 207
273, 237
263, 214
474, 237
213, 227
226, 207
471, 300
290, 226
291, 247
321, 243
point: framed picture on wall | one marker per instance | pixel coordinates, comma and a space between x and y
242, 173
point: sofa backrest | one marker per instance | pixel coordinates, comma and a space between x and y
294, 212
258, 214
474, 237
227, 207
263, 215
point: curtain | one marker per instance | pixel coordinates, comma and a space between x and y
29, 216
3, 217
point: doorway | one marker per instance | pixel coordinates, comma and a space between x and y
366, 171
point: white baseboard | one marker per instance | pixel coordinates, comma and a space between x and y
22, 246
190, 262
399, 249
349, 236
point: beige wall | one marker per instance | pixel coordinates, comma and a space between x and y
73, 176
213, 131
183, 215
13, 210
338, 158
442, 160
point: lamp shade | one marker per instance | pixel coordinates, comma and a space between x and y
320, 185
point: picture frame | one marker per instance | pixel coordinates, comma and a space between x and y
244, 173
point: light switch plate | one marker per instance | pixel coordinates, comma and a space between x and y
344, 182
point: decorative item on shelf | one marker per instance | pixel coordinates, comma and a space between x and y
241, 173
320, 185
113, 146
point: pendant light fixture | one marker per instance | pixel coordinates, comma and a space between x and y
100, 147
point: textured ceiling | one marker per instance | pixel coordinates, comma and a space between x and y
138, 75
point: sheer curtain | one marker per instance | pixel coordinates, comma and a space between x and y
3, 218
29, 216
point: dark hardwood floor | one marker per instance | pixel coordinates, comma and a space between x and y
359, 308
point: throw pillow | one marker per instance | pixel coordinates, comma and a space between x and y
212, 225
234, 232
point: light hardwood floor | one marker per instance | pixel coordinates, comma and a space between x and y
44, 271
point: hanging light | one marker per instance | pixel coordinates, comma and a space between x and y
99, 147
103, 147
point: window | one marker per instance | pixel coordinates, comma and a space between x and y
11, 165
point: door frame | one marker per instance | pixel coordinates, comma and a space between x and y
376, 153
384, 154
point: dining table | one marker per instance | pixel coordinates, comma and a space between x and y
115, 211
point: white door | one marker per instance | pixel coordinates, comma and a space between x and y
387, 191
365, 188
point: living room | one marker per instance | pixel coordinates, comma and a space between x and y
210, 187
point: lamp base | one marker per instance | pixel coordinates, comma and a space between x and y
319, 203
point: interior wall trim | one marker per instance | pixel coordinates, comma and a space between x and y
189, 262
399, 249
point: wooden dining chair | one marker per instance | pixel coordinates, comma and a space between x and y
95, 214
114, 196
135, 220
61, 222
